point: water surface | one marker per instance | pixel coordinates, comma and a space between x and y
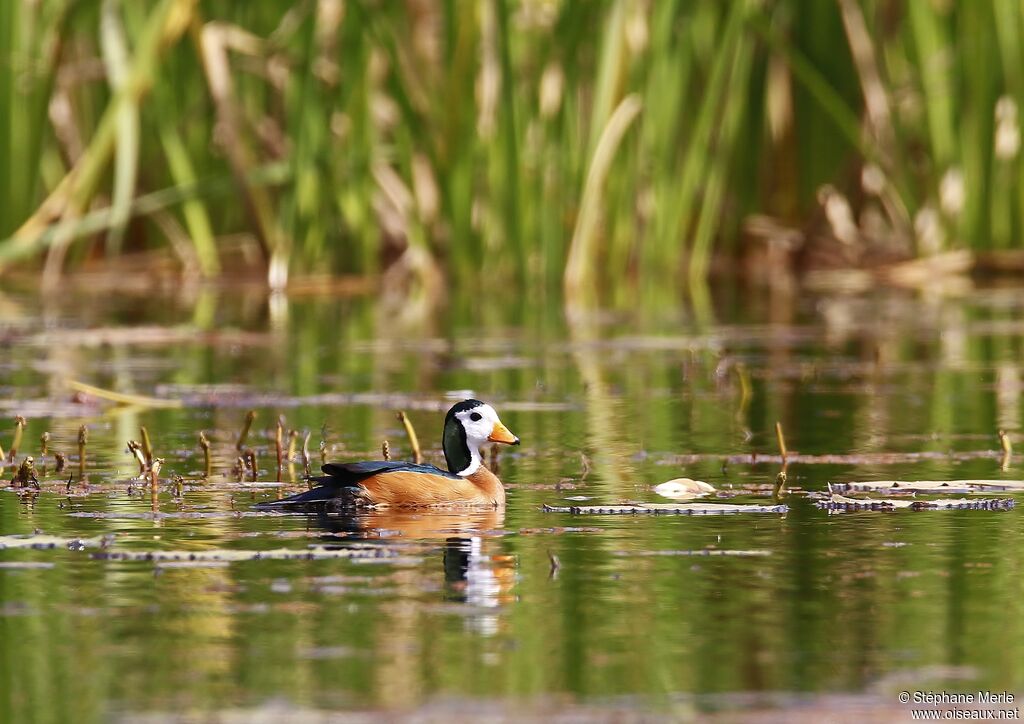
456, 616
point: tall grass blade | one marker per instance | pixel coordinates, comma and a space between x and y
579, 269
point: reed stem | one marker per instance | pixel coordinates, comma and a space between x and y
83, 439
781, 437
19, 429
204, 444
414, 441
305, 454
279, 449
147, 446
246, 425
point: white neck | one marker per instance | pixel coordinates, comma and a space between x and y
474, 462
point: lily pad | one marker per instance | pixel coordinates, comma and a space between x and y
843, 504
666, 509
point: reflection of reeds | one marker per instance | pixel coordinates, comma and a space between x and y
607, 459
249, 455
293, 439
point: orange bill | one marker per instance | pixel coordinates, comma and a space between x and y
500, 433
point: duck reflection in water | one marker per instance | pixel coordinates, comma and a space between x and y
476, 572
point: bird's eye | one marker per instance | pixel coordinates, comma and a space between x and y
475, 416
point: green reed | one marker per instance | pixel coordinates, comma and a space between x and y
465, 142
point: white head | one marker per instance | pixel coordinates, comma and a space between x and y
469, 425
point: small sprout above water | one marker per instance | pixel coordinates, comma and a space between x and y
83, 439
323, 452
293, 441
136, 449
279, 447
154, 481
385, 449
61, 459
147, 446
305, 453
1007, 446
19, 429
26, 473
44, 444
250, 416
414, 441
780, 484
204, 443
154, 471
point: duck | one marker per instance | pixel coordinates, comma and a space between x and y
467, 482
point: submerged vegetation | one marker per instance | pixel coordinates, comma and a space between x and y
537, 141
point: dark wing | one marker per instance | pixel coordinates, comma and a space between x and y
339, 485
349, 474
